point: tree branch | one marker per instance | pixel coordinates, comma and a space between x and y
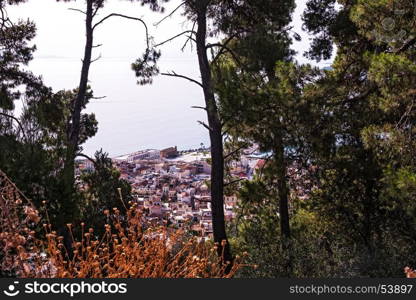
170, 14
234, 152
175, 37
78, 10
199, 107
125, 17
99, 98
189, 37
94, 60
409, 43
205, 125
224, 48
234, 182
4, 175
88, 158
363, 95
18, 123
173, 74
97, 8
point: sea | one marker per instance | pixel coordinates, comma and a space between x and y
131, 117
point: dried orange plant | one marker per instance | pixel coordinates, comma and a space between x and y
129, 248
17, 216
410, 273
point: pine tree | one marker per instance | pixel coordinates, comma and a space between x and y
237, 20
367, 121
73, 149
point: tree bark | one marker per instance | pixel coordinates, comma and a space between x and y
283, 190
283, 195
215, 132
281, 173
69, 206
282, 185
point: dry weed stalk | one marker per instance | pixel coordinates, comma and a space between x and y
127, 249
17, 216
410, 273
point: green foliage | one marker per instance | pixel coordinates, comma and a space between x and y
315, 250
394, 74
351, 129
385, 22
368, 97
102, 189
145, 68
340, 143
15, 51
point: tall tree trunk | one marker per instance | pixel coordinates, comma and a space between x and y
281, 171
282, 185
69, 207
283, 194
283, 190
215, 132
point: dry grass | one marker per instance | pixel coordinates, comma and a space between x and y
17, 216
126, 250
410, 273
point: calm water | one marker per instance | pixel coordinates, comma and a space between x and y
131, 117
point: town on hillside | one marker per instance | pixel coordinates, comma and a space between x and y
171, 186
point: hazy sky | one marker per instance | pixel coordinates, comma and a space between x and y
131, 117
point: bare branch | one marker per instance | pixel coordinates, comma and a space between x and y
175, 37
173, 74
205, 125
18, 123
4, 175
224, 48
189, 37
234, 152
78, 10
99, 98
94, 60
125, 17
170, 14
5, 20
199, 107
406, 114
234, 182
88, 158
97, 8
